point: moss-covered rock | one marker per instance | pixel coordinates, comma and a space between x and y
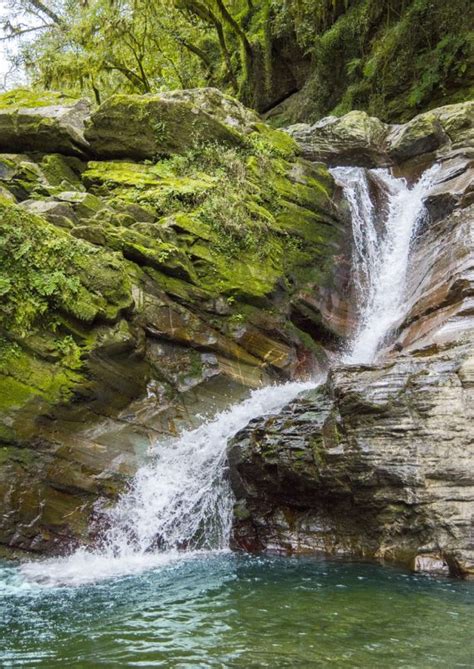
134, 293
25, 176
47, 121
146, 126
355, 138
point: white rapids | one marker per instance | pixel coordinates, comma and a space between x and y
180, 503
381, 252
180, 499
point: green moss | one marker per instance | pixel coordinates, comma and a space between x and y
154, 186
62, 171
44, 269
273, 142
389, 62
24, 97
27, 380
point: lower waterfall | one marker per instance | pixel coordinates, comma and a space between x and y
181, 499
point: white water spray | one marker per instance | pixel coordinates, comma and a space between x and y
381, 252
181, 499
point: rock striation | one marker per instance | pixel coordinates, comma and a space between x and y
144, 279
378, 462
375, 464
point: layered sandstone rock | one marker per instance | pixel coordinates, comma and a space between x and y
377, 463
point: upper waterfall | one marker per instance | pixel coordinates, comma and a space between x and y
382, 237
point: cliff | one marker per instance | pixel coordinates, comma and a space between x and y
151, 253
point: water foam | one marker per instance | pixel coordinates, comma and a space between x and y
180, 500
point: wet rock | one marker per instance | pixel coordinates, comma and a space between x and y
136, 296
454, 187
164, 291
377, 463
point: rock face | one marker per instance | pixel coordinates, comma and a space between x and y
379, 461
137, 295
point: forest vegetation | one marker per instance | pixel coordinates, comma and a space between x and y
297, 59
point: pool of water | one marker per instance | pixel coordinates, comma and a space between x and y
226, 610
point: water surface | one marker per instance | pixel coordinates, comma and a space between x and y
226, 610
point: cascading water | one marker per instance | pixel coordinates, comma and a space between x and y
182, 497
381, 250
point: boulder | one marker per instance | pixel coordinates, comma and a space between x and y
353, 139
146, 126
457, 122
48, 122
444, 128
376, 463
422, 134
359, 139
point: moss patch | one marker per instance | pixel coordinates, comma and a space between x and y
24, 97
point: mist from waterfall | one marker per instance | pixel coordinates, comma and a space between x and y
382, 238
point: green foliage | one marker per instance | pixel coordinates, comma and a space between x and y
390, 57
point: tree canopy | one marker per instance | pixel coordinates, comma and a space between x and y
386, 56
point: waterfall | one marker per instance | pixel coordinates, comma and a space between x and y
382, 237
180, 499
